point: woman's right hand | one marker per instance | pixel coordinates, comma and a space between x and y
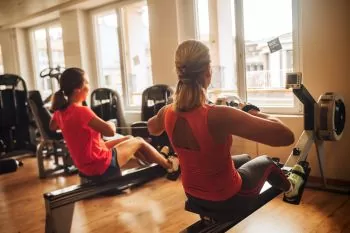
104, 127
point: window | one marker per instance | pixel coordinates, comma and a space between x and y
107, 39
123, 51
257, 75
222, 49
47, 50
1, 62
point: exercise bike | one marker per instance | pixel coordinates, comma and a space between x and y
52, 73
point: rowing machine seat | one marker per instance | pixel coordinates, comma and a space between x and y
96, 179
209, 215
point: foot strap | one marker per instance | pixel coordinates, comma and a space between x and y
302, 175
173, 175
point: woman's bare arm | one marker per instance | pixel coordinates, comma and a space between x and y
105, 128
53, 125
156, 123
255, 126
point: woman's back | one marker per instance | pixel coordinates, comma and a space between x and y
85, 145
207, 169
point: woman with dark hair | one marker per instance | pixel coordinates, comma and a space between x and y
82, 131
201, 135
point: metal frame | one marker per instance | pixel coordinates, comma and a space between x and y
59, 204
309, 135
58, 150
267, 193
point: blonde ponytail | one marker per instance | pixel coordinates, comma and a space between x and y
192, 60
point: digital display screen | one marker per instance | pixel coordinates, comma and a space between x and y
292, 78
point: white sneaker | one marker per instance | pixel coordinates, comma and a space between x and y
175, 164
296, 181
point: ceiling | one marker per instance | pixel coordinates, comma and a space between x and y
13, 11
25, 12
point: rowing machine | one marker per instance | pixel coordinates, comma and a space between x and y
324, 120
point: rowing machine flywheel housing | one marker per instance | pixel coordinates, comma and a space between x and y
330, 117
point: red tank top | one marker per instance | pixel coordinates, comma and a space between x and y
209, 173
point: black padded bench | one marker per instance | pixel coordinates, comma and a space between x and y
59, 204
222, 223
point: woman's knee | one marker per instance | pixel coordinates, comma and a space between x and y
265, 159
246, 157
240, 159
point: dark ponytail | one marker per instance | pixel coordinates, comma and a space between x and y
71, 79
59, 101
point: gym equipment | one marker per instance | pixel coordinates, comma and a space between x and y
153, 99
213, 222
51, 143
59, 204
9, 165
106, 103
324, 120
52, 73
15, 125
229, 100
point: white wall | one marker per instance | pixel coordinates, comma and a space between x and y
9, 51
77, 41
24, 57
164, 40
15, 52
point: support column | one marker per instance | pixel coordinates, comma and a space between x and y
77, 42
186, 17
16, 55
164, 40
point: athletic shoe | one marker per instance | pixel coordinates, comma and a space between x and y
296, 180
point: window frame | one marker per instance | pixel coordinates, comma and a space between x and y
34, 52
118, 9
241, 60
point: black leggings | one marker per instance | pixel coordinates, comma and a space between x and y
254, 172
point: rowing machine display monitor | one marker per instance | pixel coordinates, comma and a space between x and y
293, 80
324, 120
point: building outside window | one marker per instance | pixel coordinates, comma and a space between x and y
242, 62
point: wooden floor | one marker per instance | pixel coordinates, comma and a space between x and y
156, 207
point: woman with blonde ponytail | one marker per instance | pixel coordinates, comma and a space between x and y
192, 63
82, 130
201, 135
